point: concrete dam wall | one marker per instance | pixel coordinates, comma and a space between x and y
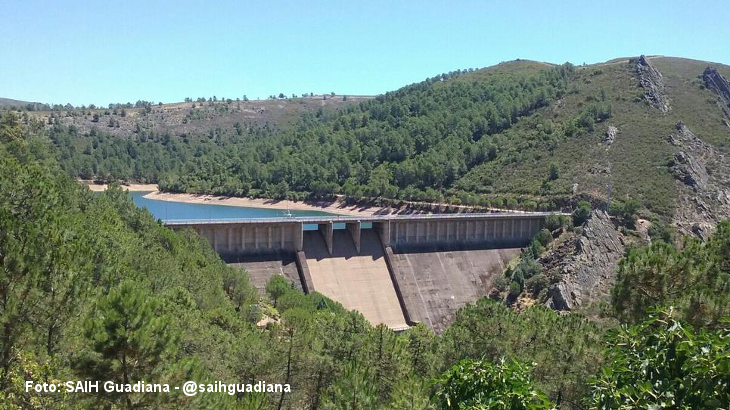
261, 269
359, 281
434, 285
405, 270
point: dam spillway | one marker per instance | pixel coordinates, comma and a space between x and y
359, 280
395, 270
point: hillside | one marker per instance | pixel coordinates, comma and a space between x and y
190, 118
521, 134
9, 102
638, 159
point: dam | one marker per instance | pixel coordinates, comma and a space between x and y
395, 270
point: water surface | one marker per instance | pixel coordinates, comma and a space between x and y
169, 210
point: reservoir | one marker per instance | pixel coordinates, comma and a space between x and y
169, 210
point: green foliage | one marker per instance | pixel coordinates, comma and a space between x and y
695, 279
581, 213
355, 390
413, 143
501, 283
555, 221
537, 284
660, 231
472, 385
566, 349
276, 287
625, 211
485, 138
664, 364
129, 343
515, 288
544, 237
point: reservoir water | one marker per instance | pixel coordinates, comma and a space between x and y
169, 210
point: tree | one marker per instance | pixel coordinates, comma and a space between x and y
554, 221
663, 363
128, 342
476, 384
276, 287
553, 175
581, 213
695, 280
354, 390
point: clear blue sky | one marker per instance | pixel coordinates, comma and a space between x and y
96, 52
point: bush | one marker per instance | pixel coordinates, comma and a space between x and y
554, 221
530, 205
536, 248
514, 289
581, 213
479, 384
544, 237
659, 231
663, 361
626, 211
536, 284
501, 283
276, 287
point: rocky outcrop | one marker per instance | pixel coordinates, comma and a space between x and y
689, 170
704, 196
718, 84
652, 81
690, 163
610, 135
584, 267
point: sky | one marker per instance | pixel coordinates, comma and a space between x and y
84, 52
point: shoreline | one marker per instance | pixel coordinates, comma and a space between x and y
336, 207
130, 187
333, 207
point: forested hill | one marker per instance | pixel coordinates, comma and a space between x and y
521, 134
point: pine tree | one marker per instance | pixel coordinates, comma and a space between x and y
128, 342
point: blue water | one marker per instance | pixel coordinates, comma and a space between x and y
168, 210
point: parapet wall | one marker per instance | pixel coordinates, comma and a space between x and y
508, 231
252, 237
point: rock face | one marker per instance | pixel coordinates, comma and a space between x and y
718, 84
610, 135
584, 268
707, 194
652, 81
690, 163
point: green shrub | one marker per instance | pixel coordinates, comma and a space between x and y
514, 289
536, 284
554, 221
501, 283
479, 384
659, 231
544, 237
581, 213
662, 363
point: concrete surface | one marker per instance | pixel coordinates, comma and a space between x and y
360, 282
434, 285
262, 268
